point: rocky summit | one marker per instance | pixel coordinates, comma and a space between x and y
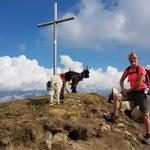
76, 124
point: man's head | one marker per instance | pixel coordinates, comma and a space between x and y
133, 58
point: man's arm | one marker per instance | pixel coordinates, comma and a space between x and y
123, 77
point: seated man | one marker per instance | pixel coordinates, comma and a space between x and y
136, 93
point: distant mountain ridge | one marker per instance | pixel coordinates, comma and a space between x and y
13, 95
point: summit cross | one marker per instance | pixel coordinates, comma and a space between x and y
54, 23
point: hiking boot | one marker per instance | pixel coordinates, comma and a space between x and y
111, 118
146, 140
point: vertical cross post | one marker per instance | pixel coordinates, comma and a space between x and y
55, 40
54, 23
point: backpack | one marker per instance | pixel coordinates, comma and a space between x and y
147, 78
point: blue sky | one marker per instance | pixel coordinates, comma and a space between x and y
101, 36
18, 32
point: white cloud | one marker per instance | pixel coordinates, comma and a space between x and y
97, 27
21, 73
70, 64
147, 67
101, 80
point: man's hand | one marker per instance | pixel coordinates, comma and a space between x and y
124, 91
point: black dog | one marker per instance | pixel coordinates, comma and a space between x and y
76, 78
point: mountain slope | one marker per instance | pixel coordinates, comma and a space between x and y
77, 124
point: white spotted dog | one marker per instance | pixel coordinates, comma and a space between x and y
55, 89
